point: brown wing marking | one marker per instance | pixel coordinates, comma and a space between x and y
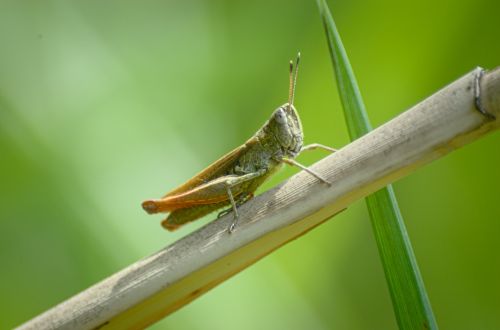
213, 192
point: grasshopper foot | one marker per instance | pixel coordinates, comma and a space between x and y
326, 182
233, 224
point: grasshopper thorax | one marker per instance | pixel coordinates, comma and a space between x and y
286, 128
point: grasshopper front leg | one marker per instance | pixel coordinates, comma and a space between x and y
314, 146
318, 176
308, 147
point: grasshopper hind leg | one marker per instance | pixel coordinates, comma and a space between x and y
222, 186
180, 217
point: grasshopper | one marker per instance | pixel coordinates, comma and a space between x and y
233, 179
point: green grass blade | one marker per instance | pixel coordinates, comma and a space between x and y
409, 298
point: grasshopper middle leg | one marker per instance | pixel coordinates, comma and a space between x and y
308, 147
233, 181
240, 200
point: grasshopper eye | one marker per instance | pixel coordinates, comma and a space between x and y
280, 116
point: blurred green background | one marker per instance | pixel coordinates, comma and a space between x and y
106, 103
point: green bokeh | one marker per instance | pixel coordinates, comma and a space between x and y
105, 104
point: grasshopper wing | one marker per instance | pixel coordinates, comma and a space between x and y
215, 170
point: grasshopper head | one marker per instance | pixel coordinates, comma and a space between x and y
286, 127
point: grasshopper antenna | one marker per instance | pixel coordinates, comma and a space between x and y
293, 80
